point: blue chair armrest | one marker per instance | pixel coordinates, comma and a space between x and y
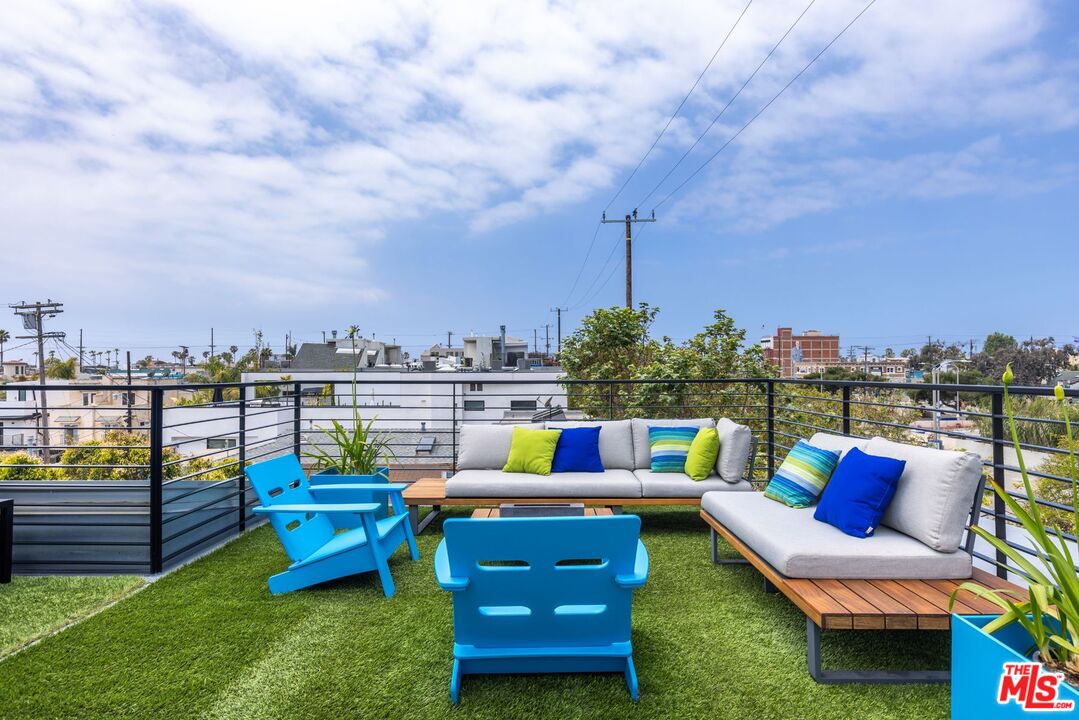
329, 508
354, 487
442, 571
640, 569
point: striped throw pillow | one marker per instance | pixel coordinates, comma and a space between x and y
670, 446
802, 476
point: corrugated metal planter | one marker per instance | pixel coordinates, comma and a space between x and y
978, 666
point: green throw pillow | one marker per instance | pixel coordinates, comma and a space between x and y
532, 451
703, 451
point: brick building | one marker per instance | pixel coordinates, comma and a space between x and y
787, 351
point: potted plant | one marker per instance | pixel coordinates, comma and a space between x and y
358, 454
1028, 657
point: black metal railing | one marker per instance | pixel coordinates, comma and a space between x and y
144, 484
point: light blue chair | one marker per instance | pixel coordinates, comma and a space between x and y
303, 516
542, 595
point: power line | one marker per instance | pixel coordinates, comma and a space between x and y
611, 274
680, 106
729, 103
767, 105
583, 264
602, 269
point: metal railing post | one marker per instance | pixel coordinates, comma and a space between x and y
296, 408
771, 390
242, 463
453, 425
610, 401
999, 508
846, 409
157, 475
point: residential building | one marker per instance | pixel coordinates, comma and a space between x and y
338, 355
15, 368
485, 351
438, 351
811, 349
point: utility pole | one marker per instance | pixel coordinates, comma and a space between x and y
32, 315
449, 339
547, 334
865, 356
558, 313
630, 219
535, 340
80, 352
211, 342
130, 395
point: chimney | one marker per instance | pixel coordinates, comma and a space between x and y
502, 344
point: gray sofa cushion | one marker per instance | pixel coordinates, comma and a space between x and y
932, 501
495, 483
735, 442
838, 443
615, 440
642, 448
486, 446
680, 485
796, 545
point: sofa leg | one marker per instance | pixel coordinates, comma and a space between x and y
716, 559
870, 677
616, 509
769, 586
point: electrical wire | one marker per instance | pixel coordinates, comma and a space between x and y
680, 106
729, 103
775, 97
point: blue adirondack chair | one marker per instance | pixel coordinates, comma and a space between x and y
301, 515
542, 595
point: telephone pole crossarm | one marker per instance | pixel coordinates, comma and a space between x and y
629, 220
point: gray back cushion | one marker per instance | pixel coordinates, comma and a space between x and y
642, 448
735, 442
615, 440
485, 447
838, 443
932, 502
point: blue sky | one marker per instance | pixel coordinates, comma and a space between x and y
421, 167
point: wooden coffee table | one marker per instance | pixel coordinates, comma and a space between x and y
495, 512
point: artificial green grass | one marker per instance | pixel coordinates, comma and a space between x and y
33, 607
209, 641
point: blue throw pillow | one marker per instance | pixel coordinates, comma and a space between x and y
577, 451
861, 489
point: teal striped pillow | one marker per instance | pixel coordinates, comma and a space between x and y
670, 446
802, 476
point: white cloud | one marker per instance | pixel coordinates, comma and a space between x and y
239, 140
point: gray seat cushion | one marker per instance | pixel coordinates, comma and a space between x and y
680, 485
838, 443
642, 448
485, 446
735, 443
935, 492
796, 545
495, 483
615, 440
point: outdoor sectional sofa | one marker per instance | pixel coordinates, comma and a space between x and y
626, 455
626, 480
901, 577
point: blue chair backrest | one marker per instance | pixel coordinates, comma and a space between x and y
542, 582
281, 481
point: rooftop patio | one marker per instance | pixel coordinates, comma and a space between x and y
207, 639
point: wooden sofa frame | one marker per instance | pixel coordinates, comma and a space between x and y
844, 604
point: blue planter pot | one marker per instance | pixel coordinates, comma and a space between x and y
977, 667
332, 477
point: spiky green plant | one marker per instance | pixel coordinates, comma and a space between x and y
360, 449
1050, 610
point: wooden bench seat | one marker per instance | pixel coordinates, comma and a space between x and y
865, 605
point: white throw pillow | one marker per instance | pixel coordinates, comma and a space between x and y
735, 442
485, 447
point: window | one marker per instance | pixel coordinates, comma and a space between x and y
22, 395
220, 443
475, 405
88, 398
522, 404
475, 387
71, 435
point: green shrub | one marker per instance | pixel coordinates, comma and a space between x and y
22, 466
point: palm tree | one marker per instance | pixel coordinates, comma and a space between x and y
5, 336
